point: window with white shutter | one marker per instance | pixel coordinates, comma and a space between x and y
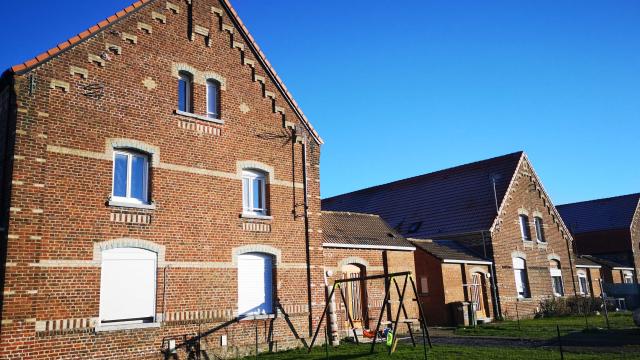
255, 284
520, 274
128, 286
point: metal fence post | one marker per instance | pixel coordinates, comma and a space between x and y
560, 343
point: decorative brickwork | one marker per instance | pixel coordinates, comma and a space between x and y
67, 130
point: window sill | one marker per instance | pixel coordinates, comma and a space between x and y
257, 317
256, 217
120, 327
199, 117
151, 206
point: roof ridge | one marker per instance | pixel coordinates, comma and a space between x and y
434, 173
349, 213
600, 199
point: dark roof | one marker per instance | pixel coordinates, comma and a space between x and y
345, 229
447, 250
585, 261
600, 215
452, 201
608, 262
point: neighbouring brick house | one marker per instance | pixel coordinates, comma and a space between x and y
450, 274
496, 208
608, 230
155, 172
357, 245
589, 275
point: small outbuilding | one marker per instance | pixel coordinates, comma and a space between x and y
454, 283
356, 245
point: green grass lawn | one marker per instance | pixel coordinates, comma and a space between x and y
546, 328
350, 351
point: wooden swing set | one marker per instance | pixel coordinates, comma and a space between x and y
393, 324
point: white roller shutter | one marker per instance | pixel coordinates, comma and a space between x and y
255, 290
128, 285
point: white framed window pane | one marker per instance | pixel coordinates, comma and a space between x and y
558, 289
258, 194
524, 227
212, 99
120, 175
138, 178
584, 288
182, 94
246, 196
127, 287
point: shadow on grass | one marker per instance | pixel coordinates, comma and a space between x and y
602, 337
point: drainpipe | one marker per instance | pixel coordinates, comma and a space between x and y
573, 280
306, 228
495, 301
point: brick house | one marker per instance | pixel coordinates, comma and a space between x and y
158, 182
496, 208
589, 275
357, 245
450, 274
608, 230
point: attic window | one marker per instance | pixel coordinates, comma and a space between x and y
413, 228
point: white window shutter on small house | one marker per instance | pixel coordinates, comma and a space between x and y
128, 285
255, 284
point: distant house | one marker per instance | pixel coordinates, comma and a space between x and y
589, 275
609, 231
450, 274
354, 246
496, 208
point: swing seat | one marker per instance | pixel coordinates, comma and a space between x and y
369, 334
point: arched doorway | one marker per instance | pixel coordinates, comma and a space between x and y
479, 295
355, 294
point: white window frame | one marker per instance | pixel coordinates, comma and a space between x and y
583, 276
521, 278
556, 272
537, 220
144, 255
627, 275
216, 84
145, 181
524, 224
187, 77
248, 179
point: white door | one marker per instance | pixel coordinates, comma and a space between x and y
255, 291
128, 285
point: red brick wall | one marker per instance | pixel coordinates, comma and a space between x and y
526, 195
593, 276
635, 242
372, 261
62, 180
437, 311
446, 287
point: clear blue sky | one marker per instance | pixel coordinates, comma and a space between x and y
398, 89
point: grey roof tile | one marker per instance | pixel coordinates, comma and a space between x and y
347, 229
600, 215
452, 201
